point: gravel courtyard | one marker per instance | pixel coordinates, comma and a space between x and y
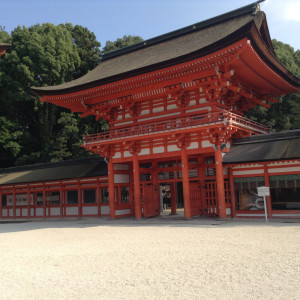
161, 258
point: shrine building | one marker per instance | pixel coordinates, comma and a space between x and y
175, 106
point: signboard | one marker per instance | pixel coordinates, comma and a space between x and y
263, 191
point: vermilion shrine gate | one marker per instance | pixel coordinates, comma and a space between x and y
174, 103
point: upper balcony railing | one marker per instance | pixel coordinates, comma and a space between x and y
178, 124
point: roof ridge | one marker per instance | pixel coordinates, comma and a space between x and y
272, 136
248, 9
47, 165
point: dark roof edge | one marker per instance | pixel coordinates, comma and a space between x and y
70, 162
248, 9
269, 137
258, 161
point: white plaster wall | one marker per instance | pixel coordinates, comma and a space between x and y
172, 106
281, 170
249, 172
24, 212
145, 112
105, 210
4, 212
120, 212
158, 149
90, 210
121, 178
228, 211
72, 211
54, 211
250, 215
158, 109
117, 155
225, 170
39, 212
206, 144
121, 167
286, 215
124, 123
172, 148
144, 151
127, 154
193, 145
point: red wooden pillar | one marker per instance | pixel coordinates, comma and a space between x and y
232, 192
61, 200
44, 202
186, 184
268, 198
14, 202
79, 191
137, 189
201, 176
111, 189
220, 182
173, 198
28, 203
0, 203
155, 185
98, 197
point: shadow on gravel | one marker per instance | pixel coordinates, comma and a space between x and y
166, 221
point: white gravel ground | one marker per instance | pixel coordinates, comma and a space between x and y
161, 258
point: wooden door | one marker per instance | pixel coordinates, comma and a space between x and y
150, 201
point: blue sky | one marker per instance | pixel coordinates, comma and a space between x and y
111, 19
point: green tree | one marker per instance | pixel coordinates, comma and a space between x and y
88, 49
4, 36
119, 43
10, 146
40, 55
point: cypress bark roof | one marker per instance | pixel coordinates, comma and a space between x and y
71, 169
176, 47
274, 146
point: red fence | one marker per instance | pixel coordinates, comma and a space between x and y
226, 118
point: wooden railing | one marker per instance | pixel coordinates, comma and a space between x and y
226, 118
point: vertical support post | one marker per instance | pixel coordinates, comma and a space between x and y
137, 189
28, 202
14, 202
220, 182
173, 198
268, 198
79, 191
111, 189
232, 192
98, 197
155, 186
44, 202
186, 184
0, 203
61, 199
201, 176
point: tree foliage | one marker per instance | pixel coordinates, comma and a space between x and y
4, 36
42, 55
126, 41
